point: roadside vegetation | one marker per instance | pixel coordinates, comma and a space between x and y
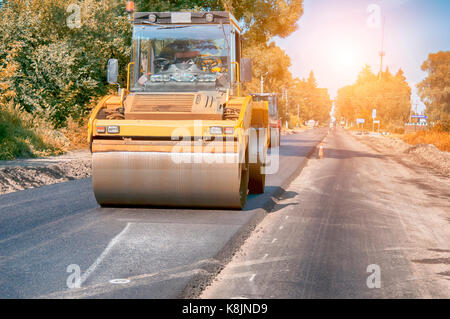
19, 136
390, 95
439, 139
23, 135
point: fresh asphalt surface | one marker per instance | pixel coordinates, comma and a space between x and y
161, 253
349, 218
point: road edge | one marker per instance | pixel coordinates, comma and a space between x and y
203, 279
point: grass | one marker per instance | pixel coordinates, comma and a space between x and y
439, 139
18, 137
75, 134
23, 135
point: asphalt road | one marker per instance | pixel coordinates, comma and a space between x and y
48, 233
356, 224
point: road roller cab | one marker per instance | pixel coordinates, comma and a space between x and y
181, 133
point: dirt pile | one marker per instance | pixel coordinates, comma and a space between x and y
426, 154
430, 154
28, 173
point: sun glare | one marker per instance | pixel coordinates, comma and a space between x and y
345, 56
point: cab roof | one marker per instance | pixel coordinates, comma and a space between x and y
218, 17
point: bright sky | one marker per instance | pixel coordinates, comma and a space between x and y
336, 38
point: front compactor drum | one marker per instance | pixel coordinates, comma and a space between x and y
168, 179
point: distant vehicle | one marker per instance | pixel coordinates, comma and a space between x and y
274, 121
311, 123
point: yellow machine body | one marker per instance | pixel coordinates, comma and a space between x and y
179, 149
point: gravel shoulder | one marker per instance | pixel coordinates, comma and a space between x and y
421, 154
21, 174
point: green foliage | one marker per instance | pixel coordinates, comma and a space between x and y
390, 95
19, 139
314, 102
270, 62
47, 67
435, 88
265, 19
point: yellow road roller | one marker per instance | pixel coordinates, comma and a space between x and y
181, 133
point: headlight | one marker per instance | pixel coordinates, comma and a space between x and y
209, 17
215, 130
152, 18
228, 130
113, 129
101, 129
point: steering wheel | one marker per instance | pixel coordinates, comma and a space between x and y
208, 63
161, 62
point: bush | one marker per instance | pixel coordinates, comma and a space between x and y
441, 126
18, 136
52, 70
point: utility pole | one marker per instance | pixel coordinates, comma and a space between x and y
382, 53
262, 84
287, 106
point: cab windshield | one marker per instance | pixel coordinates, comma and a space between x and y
180, 58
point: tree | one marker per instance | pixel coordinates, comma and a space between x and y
265, 19
52, 70
314, 102
435, 88
389, 95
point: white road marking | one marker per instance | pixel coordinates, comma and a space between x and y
287, 217
252, 277
281, 227
265, 256
238, 275
119, 281
263, 260
274, 240
98, 261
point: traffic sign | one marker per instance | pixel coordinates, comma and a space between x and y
360, 121
419, 116
374, 113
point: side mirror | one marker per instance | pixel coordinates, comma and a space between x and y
246, 70
113, 70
